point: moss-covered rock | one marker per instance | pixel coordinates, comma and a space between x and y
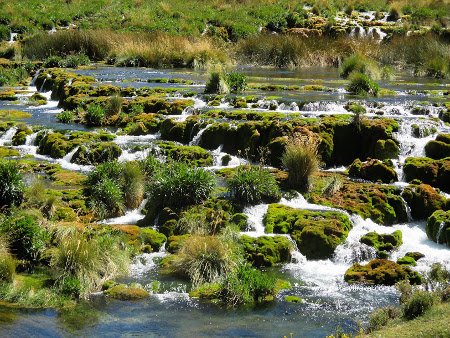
317, 233
373, 170
424, 200
415, 255
438, 227
8, 152
125, 292
439, 148
153, 238
380, 272
386, 149
383, 243
174, 243
21, 134
266, 250
96, 153
293, 299
429, 171
54, 145
195, 155
407, 260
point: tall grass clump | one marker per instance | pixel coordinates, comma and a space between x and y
134, 186
65, 116
301, 160
247, 285
361, 84
220, 82
253, 185
95, 115
114, 105
177, 185
90, 260
11, 184
206, 259
360, 64
7, 263
203, 220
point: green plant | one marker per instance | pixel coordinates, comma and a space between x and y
7, 263
65, 116
252, 185
418, 303
237, 82
176, 185
205, 259
380, 317
361, 84
358, 63
114, 105
301, 161
87, 260
106, 198
95, 115
11, 184
247, 285
216, 84
134, 184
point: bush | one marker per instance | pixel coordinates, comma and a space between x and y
26, 237
205, 259
134, 184
11, 184
247, 285
380, 317
357, 63
95, 115
176, 185
87, 260
65, 117
7, 263
216, 84
237, 82
301, 161
418, 304
106, 198
253, 185
361, 84
73, 61
114, 105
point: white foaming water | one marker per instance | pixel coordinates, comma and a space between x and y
145, 262
7, 137
196, 140
126, 139
255, 216
130, 217
217, 160
133, 156
324, 107
12, 37
299, 202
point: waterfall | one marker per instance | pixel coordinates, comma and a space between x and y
145, 262
439, 234
33, 81
68, 157
196, 140
7, 137
255, 219
30, 139
130, 217
12, 37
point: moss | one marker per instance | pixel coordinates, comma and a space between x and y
380, 272
8, 95
124, 292
383, 242
21, 134
174, 243
439, 148
13, 115
423, 200
415, 255
266, 251
438, 227
207, 291
67, 177
54, 145
317, 233
406, 260
293, 299
65, 214
373, 170
195, 155
380, 203
153, 238
8, 152
240, 220
385, 149
97, 153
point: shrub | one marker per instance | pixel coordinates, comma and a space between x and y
11, 184
65, 116
216, 84
26, 237
252, 185
176, 185
106, 198
89, 260
134, 184
237, 82
114, 105
380, 317
247, 285
53, 61
73, 61
95, 115
361, 84
301, 161
357, 63
418, 304
205, 259
7, 268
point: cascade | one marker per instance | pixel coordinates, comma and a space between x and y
130, 217
7, 137
196, 140
12, 37
439, 234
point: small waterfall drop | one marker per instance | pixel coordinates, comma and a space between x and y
144, 263
7, 137
130, 217
196, 140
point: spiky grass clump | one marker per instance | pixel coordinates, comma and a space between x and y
65, 116
11, 184
252, 185
7, 263
301, 160
177, 185
361, 84
360, 64
90, 260
114, 105
134, 187
206, 259
95, 115
247, 285
201, 220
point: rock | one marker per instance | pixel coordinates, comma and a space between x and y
293, 299
174, 243
372, 170
424, 200
439, 148
386, 149
415, 255
153, 238
429, 171
266, 250
125, 292
406, 260
317, 233
438, 227
194, 155
380, 272
97, 153
383, 242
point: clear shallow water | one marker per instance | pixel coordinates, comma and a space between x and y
328, 301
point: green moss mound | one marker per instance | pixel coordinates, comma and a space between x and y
317, 233
383, 243
266, 250
373, 170
424, 200
438, 227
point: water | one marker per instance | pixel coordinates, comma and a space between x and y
328, 301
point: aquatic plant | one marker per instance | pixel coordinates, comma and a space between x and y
89, 259
252, 185
361, 84
216, 84
65, 116
359, 64
11, 184
95, 115
134, 186
106, 198
205, 259
114, 105
301, 160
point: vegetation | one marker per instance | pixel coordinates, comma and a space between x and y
11, 184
